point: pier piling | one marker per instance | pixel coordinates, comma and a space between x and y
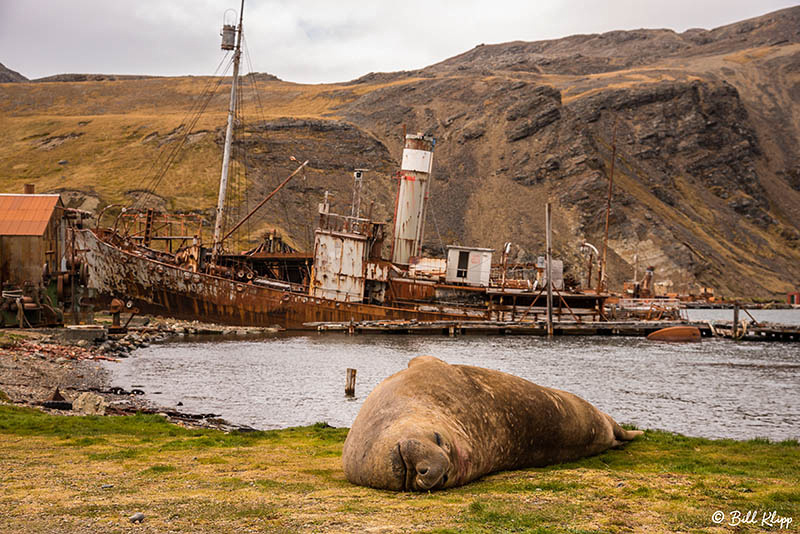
350, 385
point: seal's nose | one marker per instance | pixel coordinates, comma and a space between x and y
426, 464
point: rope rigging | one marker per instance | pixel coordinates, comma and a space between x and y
239, 187
170, 151
160, 165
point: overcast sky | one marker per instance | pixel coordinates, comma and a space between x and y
314, 41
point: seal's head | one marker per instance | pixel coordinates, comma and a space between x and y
413, 456
402, 441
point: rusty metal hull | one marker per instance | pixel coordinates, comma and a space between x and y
162, 289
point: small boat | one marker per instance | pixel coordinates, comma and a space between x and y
676, 333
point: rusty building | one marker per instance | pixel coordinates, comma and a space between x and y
32, 237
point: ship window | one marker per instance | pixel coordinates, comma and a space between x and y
463, 262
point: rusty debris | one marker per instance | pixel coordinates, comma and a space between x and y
53, 351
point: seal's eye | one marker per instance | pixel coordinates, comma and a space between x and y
438, 438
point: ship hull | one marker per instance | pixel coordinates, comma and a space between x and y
682, 333
159, 288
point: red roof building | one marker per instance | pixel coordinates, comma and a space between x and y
26, 214
32, 235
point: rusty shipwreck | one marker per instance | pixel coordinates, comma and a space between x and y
345, 279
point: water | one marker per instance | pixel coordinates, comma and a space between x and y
715, 388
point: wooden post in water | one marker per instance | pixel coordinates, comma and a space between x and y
350, 385
549, 274
735, 330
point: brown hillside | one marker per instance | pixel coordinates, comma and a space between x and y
707, 180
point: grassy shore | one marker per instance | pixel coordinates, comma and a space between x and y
89, 474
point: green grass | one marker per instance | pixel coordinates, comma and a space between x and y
60, 472
121, 454
526, 486
8, 339
30, 422
84, 442
483, 516
212, 460
158, 470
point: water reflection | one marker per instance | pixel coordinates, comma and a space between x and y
715, 388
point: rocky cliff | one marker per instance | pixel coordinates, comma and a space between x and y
9, 76
704, 126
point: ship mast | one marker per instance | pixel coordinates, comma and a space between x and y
226, 155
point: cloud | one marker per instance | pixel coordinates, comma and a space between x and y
315, 41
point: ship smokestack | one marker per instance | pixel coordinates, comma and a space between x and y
412, 197
29, 189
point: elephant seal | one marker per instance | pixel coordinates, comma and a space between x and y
436, 425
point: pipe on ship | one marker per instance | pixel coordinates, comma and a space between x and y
412, 197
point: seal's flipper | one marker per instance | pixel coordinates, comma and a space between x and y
621, 436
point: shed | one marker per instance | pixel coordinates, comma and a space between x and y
469, 265
32, 237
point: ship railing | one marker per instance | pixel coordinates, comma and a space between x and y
281, 285
342, 223
644, 304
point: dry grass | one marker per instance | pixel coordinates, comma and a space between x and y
90, 474
105, 132
110, 139
749, 54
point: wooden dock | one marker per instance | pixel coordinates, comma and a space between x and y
754, 331
761, 332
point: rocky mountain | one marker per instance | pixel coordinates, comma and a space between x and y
74, 77
9, 76
702, 125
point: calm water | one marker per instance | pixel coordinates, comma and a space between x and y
715, 388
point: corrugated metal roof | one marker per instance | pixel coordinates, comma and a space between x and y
26, 214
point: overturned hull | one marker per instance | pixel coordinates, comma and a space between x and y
681, 333
160, 288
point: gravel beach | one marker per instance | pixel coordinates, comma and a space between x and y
40, 365
34, 363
